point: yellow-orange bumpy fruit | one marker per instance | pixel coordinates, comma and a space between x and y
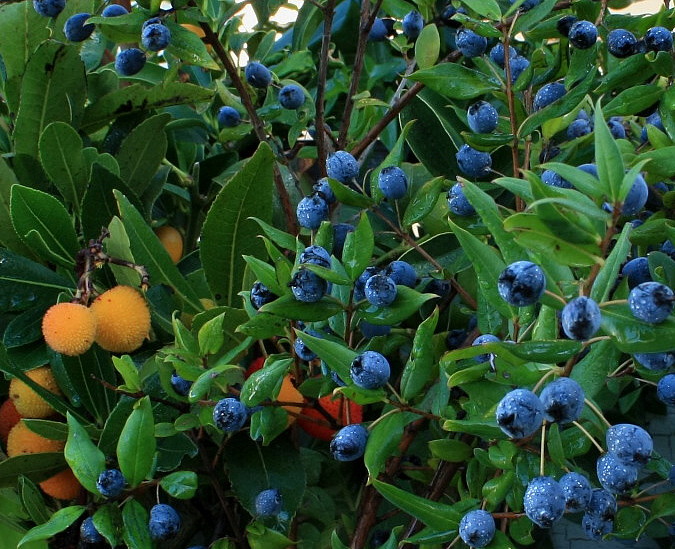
22, 441
62, 485
28, 403
122, 319
69, 328
172, 241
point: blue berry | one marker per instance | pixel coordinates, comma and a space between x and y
349, 443
458, 203
340, 231
155, 37
621, 43
89, 533
322, 188
549, 177
547, 94
164, 522
477, 528
455, 338
485, 338
180, 385
616, 128
527, 5
291, 97
393, 182
75, 28
497, 54
129, 62
482, 117
152, 21
260, 295
114, 10
658, 39
578, 128
360, 283
602, 504
595, 527
656, 361
668, 248
563, 400
653, 119
518, 64
307, 286
257, 74
583, 34
651, 302
665, 391
370, 331
470, 44
229, 117
590, 169
304, 352
268, 503
519, 413
229, 414
473, 163
630, 443
636, 197
615, 475
402, 273
544, 501
378, 32
564, 24
315, 255
521, 284
110, 483
49, 8
311, 211
577, 491
342, 166
581, 318
412, 24
636, 271
370, 370
380, 290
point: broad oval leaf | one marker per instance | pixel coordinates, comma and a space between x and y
137, 444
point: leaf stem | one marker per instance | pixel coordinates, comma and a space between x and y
589, 436
597, 412
542, 454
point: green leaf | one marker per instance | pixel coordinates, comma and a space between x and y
84, 458
495, 489
486, 8
345, 195
180, 484
136, 533
394, 158
455, 81
32, 500
407, 302
129, 371
555, 446
383, 441
428, 46
633, 100
136, 445
289, 307
265, 383
211, 336
608, 273
480, 428
337, 356
308, 20
62, 159
228, 234
264, 325
108, 521
584, 182
420, 368
280, 238
423, 201
37, 467
635, 336
59, 521
28, 31
661, 162
450, 449
607, 156
44, 225
358, 248
632, 70
591, 371
188, 47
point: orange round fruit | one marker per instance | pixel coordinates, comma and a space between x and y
9, 417
69, 328
172, 241
288, 393
28, 403
62, 485
21, 441
315, 423
122, 319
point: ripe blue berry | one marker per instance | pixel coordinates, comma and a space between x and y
342, 166
311, 211
229, 117
621, 43
164, 522
602, 504
257, 74
656, 361
155, 37
665, 391
393, 182
583, 34
563, 400
651, 302
370, 370
412, 24
89, 533
616, 476
322, 188
636, 271
360, 283
473, 163
349, 443
518, 64
616, 128
380, 290
527, 5
304, 352
458, 203
547, 94
522, 283
470, 44
659, 39
595, 527
307, 286
653, 119
340, 231
315, 255
229, 414
485, 338
497, 54
291, 97
114, 10
260, 295
129, 62
590, 169
477, 528
581, 318
49, 8
110, 483
544, 501
519, 413
402, 273
631, 443
636, 197
75, 28
370, 331
180, 385
577, 491
549, 177
378, 32
578, 128
268, 503
482, 117
565, 23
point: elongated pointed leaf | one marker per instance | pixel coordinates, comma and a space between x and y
59, 521
136, 445
84, 458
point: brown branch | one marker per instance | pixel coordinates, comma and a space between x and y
512, 108
328, 13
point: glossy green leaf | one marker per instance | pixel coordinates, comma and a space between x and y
455, 81
607, 156
632, 70
109, 523
383, 441
548, 352
428, 46
358, 248
591, 371
280, 238
554, 445
265, 383
211, 336
584, 182
633, 100
136, 533
345, 195
480, 428
58, 522
84, 458
635, 336
289, 307
423, 201
407, 302
32, 500
661, 162
37, 467
136, 445
264, 325
180, 484
450, 449
610, 270
486, 8
27, 29
337, 356
188, 47
420, 368
495, 489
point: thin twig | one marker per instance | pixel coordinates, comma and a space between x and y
328, 13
